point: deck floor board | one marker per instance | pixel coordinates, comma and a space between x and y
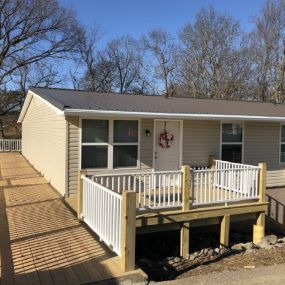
41, 241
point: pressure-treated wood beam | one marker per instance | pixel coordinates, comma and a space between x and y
128, 231
259, 227
80, 193
179, 216
185, 229
225, 231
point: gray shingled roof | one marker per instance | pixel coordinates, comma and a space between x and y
65, 99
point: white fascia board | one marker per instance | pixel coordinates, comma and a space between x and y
82, 112
27, 102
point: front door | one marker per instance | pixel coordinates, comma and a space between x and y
167, 156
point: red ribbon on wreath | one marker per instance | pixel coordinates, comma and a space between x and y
165, 139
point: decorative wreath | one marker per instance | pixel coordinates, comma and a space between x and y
165, 139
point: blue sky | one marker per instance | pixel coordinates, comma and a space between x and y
134, 17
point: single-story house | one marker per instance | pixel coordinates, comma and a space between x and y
64, 131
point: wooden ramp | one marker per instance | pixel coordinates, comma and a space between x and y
41, 241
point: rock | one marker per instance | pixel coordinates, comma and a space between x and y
200, 253
170, 262
281, 240
271, 239
224, 251
268, 241
211, 252
239, 247
248, 245
177, 259
251, 250
193, 256
205, 251
264, 245
217, 250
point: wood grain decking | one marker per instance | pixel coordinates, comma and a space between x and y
41, 241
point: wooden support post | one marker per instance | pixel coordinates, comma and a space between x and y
225, 231
128, 228
262, 181
259, 227
212, 162
80, 193
184, 234
186, 180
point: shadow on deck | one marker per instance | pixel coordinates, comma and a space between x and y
41, 241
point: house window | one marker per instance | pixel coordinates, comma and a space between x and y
125, 143
95, 141
232, 142
109, 143
282, 144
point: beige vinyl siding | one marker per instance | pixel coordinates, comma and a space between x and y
146, 147
200, 140
262, 144
275, 178
73, 154
44, 142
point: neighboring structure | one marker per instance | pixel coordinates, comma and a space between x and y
58, 138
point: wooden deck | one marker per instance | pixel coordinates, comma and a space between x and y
41, 241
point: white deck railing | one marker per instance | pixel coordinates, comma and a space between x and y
227, 182
102, 212
221, 164
154, 189
10, 145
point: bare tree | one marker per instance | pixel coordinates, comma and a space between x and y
162, 47
126, 57
213, 61
97, 71
31, 31
267, 47
38, 74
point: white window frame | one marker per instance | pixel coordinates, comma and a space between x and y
127, 143
94, 143
232, 143
110, 143
281, 143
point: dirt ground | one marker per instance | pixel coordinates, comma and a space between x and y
258, 258
264, 275
157, 253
